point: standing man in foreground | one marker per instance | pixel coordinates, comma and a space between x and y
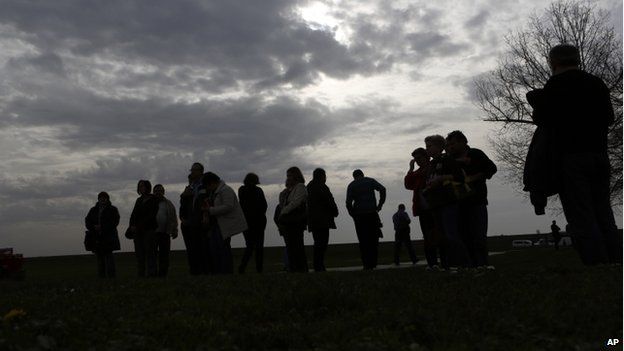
575, 107
363, 207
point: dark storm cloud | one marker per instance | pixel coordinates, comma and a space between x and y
251, 41
127, 87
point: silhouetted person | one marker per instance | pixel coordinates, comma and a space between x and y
322, 210
167, 221
224, 218
440, 193
363, 207
195, 236
574, 108
254, 205
556, 233
401, 223
102, 221
473, 213
292, 219
143, 227
416, 180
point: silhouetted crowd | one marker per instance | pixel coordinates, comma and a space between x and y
447, 177
449, 194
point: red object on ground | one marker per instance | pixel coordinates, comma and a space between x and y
11, 265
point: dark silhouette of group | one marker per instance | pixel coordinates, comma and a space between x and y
450, 200
449, 197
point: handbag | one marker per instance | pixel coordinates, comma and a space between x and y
295, 218
90, 241
129, 234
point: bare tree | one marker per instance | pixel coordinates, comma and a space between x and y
524, 67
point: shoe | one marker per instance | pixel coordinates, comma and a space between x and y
490, 268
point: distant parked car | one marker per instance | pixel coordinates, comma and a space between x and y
543, 242
521, 243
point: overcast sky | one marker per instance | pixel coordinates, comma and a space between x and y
95, 95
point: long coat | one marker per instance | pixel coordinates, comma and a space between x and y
322, 208
107, 236
254, 206
228, 211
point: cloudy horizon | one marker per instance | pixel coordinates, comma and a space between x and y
96, 95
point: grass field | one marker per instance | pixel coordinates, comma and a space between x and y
536, 299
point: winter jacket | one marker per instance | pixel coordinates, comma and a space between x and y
227, 210
143, 215
417, 182
477, 162
107, 238
254, 206
322, 208
172, 218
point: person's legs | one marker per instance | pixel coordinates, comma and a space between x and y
372, 233
220, 252
164, 248
577, 200
466, 226
604, 212
321, 239
101, 264
407, 240
397, 247
427, 226
139, 252
296, 253
249, 247
360, 230
259, 250
109, 264
228, 260
191, 249
151, 254
478, 223
456, 251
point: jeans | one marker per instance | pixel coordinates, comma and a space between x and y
368, 233
145, 252
474, 226
254, 241
321, 240
447, 219
196, 250
163, 248
433, 242
220, 253
106, 264
297, 260
586, 204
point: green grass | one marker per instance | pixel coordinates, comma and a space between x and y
537, 299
